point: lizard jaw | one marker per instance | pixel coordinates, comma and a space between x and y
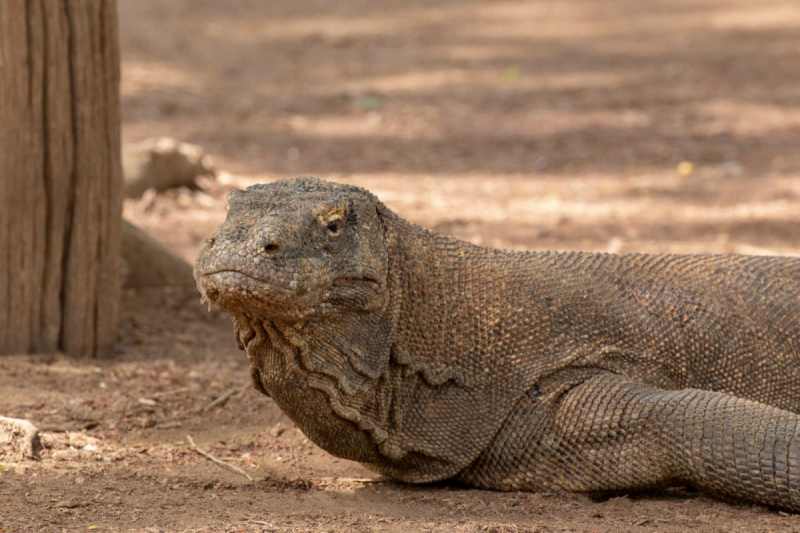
237, 293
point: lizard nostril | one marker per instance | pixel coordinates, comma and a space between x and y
212, 293
210, 241
270, 247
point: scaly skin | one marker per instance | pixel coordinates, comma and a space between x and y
428, 358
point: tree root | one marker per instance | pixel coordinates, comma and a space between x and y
148, 263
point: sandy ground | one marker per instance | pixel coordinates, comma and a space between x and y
606, 125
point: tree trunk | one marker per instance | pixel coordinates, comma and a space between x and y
60, 176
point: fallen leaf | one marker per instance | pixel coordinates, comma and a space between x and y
685, 168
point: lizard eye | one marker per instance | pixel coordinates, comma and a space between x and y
332, 222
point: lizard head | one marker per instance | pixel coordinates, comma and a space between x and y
303, 266
296, 249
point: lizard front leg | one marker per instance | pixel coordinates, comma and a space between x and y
609, 433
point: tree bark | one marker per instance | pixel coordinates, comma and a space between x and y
60, 176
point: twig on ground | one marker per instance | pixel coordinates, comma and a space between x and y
65, 428
246, 387
221, 400
262, 522
168, 425
169, 392
234, 392
324, 481
213, 459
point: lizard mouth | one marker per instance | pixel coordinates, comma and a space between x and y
237, 293
239, 276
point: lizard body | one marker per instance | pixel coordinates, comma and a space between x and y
427, 358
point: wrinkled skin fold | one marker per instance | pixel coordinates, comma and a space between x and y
428, 358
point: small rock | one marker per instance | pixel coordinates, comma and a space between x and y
732, 168
18, 438
66, 504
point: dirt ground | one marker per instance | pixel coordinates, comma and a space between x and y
606, 125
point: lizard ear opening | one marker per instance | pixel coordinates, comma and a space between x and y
383, 216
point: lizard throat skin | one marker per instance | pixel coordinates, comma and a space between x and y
429, 358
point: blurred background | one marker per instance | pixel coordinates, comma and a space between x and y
606, 125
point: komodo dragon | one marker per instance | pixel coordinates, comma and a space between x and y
427, 358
